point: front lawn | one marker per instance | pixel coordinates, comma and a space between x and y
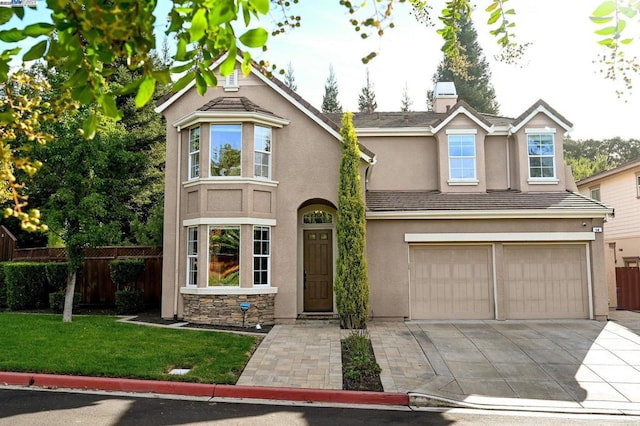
101, 346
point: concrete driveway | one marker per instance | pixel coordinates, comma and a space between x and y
564, 365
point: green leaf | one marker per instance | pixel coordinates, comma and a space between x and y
626, 41
628, 12
82, 94
605, 8
600, 21
12, 36
198, 25
182, 68
7, 117
256, 37
494, 17
492, 6
38, 29
183, 81
37, 51
110, 108
163, 76
606, 31
201, 85
209, 77
262, 6
223, 11
90, 126
229, 64
145, 91
6, 13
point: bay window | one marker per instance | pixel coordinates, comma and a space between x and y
194, 152
226, 149
262, 152
261, 254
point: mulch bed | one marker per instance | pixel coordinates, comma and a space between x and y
367, 382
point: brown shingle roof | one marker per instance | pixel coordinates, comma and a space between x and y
241, 103
547, 107
379, 201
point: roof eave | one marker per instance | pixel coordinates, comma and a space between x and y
492, 214
225, 116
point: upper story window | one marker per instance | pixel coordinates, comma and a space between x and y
226, 149
224, 256
638, 186
194, 152
262, 152
462, 157
595, 193
541, 151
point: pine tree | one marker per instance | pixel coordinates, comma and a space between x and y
352, 284
330, 99
367, 98
406, 101
474, 83
289, 78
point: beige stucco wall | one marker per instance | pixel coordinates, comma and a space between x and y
388, 254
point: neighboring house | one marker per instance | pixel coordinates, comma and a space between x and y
619, 188
469, 216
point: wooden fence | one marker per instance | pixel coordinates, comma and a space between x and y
628, 288
94, 282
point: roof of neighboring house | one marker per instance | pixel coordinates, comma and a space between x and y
604, 174
394, 201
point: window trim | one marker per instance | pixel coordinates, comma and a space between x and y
192, 153
239, 228
192, 256
267, 256
231, 82
543, 179
594, 189
461, 133
257, 151
211, 127
638, 185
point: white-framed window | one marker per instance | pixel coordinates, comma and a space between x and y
638, 186
262, 152
595, 193
224, 256
194, 152
462, 157
261, 255
231, 82
226, 150
192, 256
541, 152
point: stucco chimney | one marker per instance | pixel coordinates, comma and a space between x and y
444, 96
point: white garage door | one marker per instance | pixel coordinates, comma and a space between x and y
451, 282
546, 281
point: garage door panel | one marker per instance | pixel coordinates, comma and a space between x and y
451, 282
546, 281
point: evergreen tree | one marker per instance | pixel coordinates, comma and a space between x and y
473, 83
330, 101
367, 98
351, 285
289, 78
406, 101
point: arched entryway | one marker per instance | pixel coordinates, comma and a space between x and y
316, 224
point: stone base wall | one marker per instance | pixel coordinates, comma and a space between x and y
224, 309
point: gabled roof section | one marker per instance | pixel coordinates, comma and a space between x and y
606, 173
461, 107
544, 108
333, 128
234, 104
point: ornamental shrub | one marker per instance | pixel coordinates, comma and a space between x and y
3, 288
26, 285
129, 302
57, 273
351, 284
56, 301
125, 272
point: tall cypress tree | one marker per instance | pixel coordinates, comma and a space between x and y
406, 101
330, 101
367, 98
289, 78
352, 284
473, 86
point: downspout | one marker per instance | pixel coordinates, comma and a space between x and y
508, 163
176, 264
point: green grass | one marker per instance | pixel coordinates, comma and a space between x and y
101, 346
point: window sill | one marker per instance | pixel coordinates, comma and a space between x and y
230, 180
461, 182
551, 181
229, 290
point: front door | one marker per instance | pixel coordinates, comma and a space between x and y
318, 271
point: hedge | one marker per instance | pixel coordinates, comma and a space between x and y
27, 286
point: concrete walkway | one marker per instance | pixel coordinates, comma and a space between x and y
558, 365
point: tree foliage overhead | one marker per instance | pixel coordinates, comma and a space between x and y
330, 101
352, 284
473, 84
367, 97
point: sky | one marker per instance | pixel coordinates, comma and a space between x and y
558, 67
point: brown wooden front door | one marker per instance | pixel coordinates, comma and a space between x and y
318, 271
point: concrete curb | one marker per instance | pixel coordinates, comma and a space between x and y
203, 390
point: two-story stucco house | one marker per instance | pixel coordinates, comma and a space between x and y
469, 216
619, 188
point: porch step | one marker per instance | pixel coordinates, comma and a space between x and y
317, 319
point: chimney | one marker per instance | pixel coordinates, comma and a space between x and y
444, 96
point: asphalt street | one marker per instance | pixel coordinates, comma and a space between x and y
39, 407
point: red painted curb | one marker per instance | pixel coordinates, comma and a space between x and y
201, 389
312, 395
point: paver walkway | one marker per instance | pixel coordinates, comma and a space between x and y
568, 364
